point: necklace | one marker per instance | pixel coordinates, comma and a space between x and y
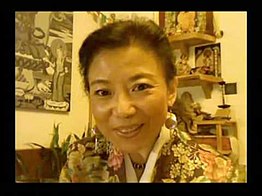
138, 166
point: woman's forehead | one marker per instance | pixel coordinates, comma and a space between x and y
125, 58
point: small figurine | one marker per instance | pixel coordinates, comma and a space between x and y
182, 65
186, 22
188, 111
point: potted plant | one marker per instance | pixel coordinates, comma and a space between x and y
43, 164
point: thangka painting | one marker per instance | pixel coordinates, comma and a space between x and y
208, 59
43, 60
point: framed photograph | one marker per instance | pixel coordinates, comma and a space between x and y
208, 59
43, 60
179, 22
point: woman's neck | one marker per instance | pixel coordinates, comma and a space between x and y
141, 156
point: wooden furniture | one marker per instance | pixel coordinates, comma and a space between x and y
185, 40
38, 165
205, 81
221, 138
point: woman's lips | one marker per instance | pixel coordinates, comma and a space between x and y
128, 131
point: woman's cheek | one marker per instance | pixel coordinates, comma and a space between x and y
99, 110
155, 104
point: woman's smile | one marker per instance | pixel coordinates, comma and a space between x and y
128, 131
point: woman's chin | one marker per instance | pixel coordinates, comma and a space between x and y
132, 147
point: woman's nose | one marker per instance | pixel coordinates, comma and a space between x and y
123, 106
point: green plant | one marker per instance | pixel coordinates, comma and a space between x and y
57, 157
54, 155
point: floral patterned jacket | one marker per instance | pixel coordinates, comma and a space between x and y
180, 160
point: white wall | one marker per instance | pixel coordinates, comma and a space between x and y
234, 61
37, 126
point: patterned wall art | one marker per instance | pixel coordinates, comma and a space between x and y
43, 60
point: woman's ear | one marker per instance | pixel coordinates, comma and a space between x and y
172, 91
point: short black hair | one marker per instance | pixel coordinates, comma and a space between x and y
146, 33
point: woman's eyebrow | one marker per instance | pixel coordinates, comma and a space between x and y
142, 75
131, 79
99, 81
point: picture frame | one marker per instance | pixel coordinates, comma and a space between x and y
208, 59
43, 60
179, 22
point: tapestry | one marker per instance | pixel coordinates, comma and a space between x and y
43, 60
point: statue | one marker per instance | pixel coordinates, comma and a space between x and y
182, 65
188, 111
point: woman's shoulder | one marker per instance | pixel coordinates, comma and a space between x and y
185, 160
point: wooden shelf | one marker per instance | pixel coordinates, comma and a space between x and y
222, 141
190, 39
205, 81
216, 122
205, 136
183, 42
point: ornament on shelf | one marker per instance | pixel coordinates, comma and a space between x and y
224, 105
186, 22
224, 111
182, 66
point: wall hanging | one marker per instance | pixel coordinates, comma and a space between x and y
43, 60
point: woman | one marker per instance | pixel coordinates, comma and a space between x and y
130, 79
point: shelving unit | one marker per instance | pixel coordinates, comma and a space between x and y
186, 40
222, 141
214, 132
183, 42
191, 39
205, 81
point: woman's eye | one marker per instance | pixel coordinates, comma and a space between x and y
141, 87
102, 93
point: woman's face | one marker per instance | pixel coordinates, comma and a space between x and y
129, 97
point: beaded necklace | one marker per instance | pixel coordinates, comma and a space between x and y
138, 165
